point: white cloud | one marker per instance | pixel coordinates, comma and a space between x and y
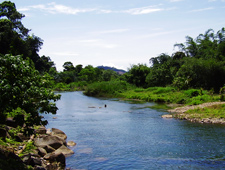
203, 9
143, 10
97, 43
55, 8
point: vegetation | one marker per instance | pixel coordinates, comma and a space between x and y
25, 85
215, 111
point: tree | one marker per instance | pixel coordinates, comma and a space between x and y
68, 66
137, 75
14, 37
22, 87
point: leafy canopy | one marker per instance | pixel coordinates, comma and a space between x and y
21, 86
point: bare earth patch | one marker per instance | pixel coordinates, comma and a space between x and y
180, 113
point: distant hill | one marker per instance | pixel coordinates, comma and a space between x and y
119, 71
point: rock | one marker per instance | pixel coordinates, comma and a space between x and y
58, 133
26, 159
41, 130
48, 132
52, 141
39, 168
49, 149
64, 150
35, 161
41, 151
167, 116
71, 143
53, 157
22, 136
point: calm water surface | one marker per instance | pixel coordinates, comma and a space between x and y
126, 135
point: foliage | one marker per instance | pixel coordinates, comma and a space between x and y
22, 87
15, 38
137, 75
106, 88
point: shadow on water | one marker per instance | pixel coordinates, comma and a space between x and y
132, 135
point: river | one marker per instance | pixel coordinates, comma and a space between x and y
128, 135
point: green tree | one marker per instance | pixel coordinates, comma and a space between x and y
15, 38
137, 75
68, 66
21, 86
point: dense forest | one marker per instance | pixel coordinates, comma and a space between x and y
27, 79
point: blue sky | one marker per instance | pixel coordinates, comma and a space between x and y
117, 33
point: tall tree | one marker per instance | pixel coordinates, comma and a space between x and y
14, 37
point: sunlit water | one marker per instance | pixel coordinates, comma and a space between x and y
127, 135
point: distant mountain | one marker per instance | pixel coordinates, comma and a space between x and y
119, 71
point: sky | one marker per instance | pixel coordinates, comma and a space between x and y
116, 33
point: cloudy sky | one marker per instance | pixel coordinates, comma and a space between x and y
117, 33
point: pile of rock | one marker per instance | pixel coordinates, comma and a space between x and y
50, 153
51, 150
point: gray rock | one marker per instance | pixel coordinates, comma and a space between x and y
49, 149
53, 157
71, 143
64, 150
52, 141
41, 151
58, 133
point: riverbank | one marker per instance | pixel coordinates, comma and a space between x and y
46, 149
203, 113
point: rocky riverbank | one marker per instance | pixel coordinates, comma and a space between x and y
180, 113
49, 152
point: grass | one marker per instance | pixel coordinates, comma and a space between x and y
170, 95
215, 111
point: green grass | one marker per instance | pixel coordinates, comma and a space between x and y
107, 88
215, 111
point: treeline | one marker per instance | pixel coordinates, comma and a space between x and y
199, 63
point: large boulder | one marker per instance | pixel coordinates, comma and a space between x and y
53, 141
64, 150
58, 133
53, 157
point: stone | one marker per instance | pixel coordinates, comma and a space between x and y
48, 132
41, 130
71, 143
35, 161
167, 116
59, 133
52, 141
39, 168
41, 151
56, 157
49, 149
26, 159
64, 150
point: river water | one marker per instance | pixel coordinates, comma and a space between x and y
126, 135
